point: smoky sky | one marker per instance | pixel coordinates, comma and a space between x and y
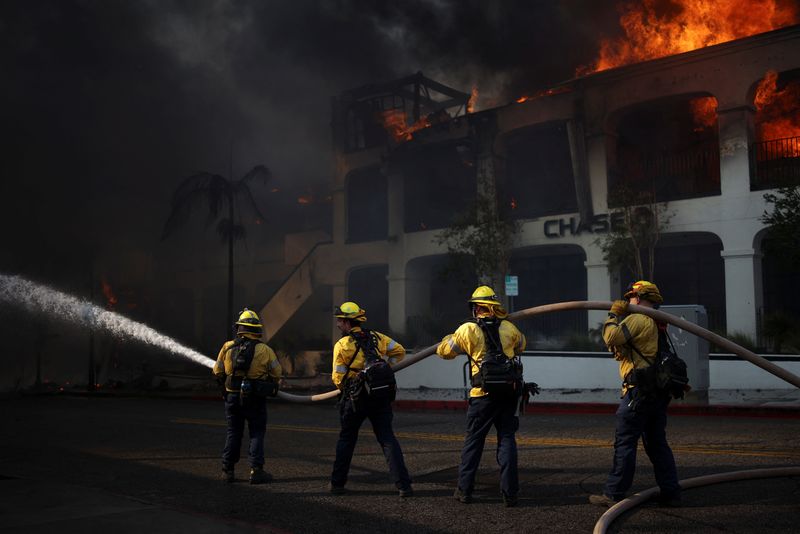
108, 104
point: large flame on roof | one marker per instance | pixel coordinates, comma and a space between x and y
659, 28
777, 110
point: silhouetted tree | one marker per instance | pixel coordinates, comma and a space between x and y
632, 244
783, 234
222, 196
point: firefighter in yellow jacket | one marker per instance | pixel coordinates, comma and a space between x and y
491, 344
633, 338
250, 371
351, 354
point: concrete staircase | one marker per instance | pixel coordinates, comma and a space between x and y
292, 293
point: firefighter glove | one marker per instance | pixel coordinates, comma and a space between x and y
619, 307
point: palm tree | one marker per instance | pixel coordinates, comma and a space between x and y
223, 196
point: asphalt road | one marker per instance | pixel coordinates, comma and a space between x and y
130, 465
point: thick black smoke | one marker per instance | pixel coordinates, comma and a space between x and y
107, 104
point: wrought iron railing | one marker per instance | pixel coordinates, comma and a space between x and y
672, 175
775, 163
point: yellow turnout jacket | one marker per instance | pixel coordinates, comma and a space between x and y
469, 339
344, 350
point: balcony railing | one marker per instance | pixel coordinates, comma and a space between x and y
673, 175
775, 163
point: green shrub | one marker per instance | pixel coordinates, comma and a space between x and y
780, 329
582, 341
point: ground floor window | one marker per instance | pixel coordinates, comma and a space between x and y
689, 269
549, 274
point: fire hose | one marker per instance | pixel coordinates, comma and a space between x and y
683, 324
638, 498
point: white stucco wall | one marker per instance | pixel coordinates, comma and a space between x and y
586, 373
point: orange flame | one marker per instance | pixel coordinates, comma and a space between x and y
394, 120
704, 111
653, 29
777, 110
543, 93
111, 299
305, 199
473, 99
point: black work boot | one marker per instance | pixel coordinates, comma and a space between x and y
602, 500
227, 475
462, 496
510, 500
259, 476
336, 490
408, 491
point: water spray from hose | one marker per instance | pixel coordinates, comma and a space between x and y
35, 298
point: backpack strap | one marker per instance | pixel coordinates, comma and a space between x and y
489, 340
629, 342
241, 343
367, 334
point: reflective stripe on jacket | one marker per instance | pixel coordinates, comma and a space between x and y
344, 349
637, 329
468, 339
265, 363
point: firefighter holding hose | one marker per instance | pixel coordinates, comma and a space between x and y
250, 372
362, 372
492, 345
642, 412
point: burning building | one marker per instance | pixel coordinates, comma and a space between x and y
705, 131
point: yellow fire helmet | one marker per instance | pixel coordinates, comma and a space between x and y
350, 310
484, 295
249, 318
644, 290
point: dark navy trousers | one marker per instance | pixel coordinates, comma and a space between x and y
483, 412
254, 412
648, 421
379, 413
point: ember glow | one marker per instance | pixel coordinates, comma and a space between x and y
777, 110
394, 121
473, 100
655, 28
111, 299
543, 93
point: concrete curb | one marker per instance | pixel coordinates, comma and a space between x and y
779, 412
691, 410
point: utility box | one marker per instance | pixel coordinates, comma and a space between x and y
691, 348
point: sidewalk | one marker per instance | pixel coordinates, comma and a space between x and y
736, 402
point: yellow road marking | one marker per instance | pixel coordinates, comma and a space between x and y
521, 440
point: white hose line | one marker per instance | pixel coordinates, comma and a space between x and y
699, 331
638, 498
